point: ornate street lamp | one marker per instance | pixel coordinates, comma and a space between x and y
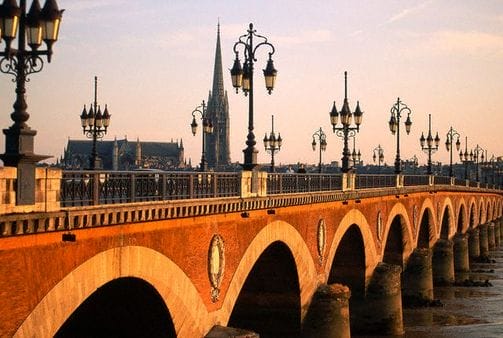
242, 77
429, 144
378, 154
322, 138
478, 153
466, 157
207, 129
394, 125
94, 125
36, 25
449, 140
346, 131
272, 144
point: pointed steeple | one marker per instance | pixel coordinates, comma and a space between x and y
218, 77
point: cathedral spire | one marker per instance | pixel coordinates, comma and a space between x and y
218, 77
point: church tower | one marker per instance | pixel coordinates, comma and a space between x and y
217, 144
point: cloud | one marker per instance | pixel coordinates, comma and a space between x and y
407, 12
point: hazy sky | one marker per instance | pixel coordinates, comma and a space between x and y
154, 60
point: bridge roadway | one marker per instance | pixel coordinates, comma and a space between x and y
269, 263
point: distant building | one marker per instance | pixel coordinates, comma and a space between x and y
217, 147
125, 155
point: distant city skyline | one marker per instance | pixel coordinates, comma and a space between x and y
154, 61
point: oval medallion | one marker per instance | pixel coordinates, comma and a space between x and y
321, 236
216, 264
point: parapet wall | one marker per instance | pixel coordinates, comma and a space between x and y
47, 191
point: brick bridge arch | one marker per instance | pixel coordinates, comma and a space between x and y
277, 231
181, 297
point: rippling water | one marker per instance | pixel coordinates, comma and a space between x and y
467, 312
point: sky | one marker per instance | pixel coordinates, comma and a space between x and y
154, 61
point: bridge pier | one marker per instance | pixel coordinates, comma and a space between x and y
328, 314
417, 279
218, 331
461, 257
497, 233
491, 236
473, 244
381, 311
443, 262
484, 240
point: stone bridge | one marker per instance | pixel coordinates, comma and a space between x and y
307, 264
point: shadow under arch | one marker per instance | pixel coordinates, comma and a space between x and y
462, 224
188, 313
354, 218
447, 220
124, 307
427, 234
398, 237
292, 242
269, 300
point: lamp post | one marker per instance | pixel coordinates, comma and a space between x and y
94, 125
478, 152
466, 157
449, 140
242, 77
322, 138
36, 25
378, 154
429, 144
207, 129
394, 125
355, 155
346, 131
272, 144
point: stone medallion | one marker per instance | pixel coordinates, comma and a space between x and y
216, 264
380, 229
321, 239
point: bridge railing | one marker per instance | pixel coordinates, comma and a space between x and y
79, 188
413, 180
375, 181
82, 188
281, 183
445, 180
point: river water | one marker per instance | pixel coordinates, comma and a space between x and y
467, 312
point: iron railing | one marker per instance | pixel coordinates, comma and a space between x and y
375, 181
460, 182
80, 188
295, 183
412, 180
445, 180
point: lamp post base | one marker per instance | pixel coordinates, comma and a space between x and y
19, 154
250, 158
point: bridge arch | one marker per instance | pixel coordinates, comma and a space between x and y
447, 220
188, 313
489, 214
462, 223
482, 214
354, 218
398, 244
277, 232
426, 233
124, 307
472, 219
